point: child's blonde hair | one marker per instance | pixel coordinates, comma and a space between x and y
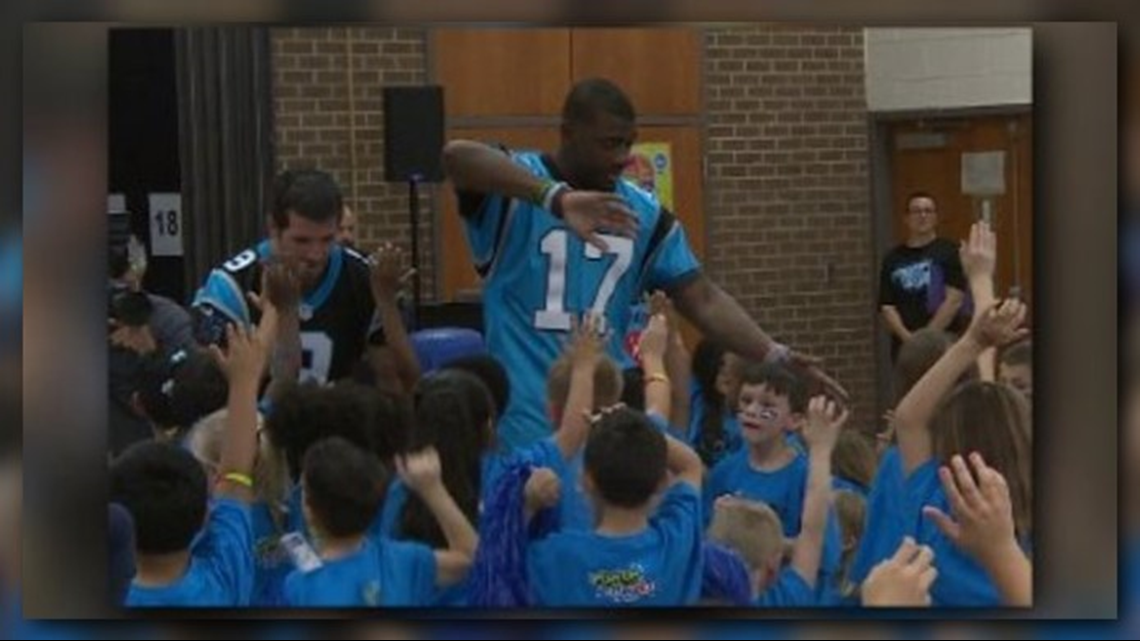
916, 356
854, 458
270, 473
851, 509
608, 382
751, 528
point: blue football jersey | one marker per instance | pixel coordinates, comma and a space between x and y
538, 275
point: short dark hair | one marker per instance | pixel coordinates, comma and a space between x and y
312, 194
180, 389
919, 194
625, 456
592, 96
164, 488
780, 380
453, 410
491, 372
306, 413
344, 486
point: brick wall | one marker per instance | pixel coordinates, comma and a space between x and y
789, 221
314, 113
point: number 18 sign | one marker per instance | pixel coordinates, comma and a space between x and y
166, 224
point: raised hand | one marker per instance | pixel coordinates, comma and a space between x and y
824, 420
655, 338
421, 470
981, 512
280, 287
587, 342
589, 213
245, 355
389, 275
979, 253
999, 325
542, 489
903, 580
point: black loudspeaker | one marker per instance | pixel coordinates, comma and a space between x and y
465, 314
413, 133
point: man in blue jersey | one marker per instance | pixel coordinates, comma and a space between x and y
554, 236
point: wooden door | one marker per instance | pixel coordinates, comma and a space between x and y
658, 68
927, 156
502, 72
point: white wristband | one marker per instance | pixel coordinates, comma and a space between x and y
778, 353
550, 193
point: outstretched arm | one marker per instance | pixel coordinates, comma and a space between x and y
993, 327
722, 319
978, 255
475, 167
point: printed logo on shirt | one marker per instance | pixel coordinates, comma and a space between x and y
627, 585
269, 552
914, 277
370, 593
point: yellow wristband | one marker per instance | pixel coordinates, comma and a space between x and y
539, 196
656, 378
239, 478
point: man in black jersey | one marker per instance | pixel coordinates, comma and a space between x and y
336, 315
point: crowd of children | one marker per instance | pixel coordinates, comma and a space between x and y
709, 479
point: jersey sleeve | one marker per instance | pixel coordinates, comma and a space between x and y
670, 260
485, 217
218, 303
229, 548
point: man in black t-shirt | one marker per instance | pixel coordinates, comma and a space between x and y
921, 282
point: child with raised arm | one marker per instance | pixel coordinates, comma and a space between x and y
936, 422
343, 487
981, 524
165, 489
754, 529
646, 547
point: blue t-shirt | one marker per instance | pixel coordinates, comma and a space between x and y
789, 591
387, 522
221, 571
895, 511
271, 561
783, 490
886, 521
575, 512
381, 573
387, 525
961, 580
537, 275
659, 566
